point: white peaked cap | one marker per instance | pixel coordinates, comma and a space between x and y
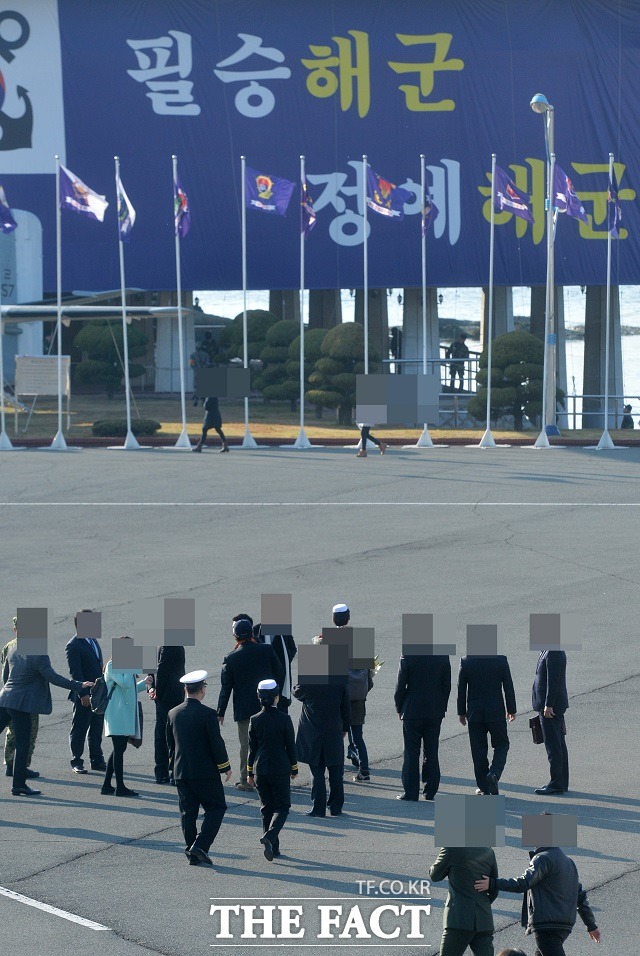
267, 685
194, 677
340, 609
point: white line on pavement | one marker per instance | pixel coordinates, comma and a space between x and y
19, 898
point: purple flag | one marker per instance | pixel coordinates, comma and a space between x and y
307, 214
430, 213
7, 222
268, 193
385, 197
614, 212
126, 213
565, 197
181, 209
508, 198
77, 197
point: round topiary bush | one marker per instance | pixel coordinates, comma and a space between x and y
117, 427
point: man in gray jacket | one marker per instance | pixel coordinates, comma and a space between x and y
26, 691
552, 897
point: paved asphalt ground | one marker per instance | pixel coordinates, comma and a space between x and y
488, 535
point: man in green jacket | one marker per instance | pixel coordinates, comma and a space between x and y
467, 918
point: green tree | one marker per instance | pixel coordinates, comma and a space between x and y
259, 321
100, 363
517, 364
273, 379
334, 376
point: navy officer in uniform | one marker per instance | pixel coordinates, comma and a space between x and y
197, 758
272, 762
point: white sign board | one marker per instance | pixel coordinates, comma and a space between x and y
38, 375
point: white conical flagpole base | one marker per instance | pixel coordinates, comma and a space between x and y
302, 442
542, 441
248, 441
425, 441
605, 444
131, 442
5, 443
58, 443
183, 440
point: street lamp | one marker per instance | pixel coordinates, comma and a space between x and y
540, 104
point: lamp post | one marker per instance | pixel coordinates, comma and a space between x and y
540, 104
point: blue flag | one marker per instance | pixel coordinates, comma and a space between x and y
430, 213
384, 197
307, 214
614, 212
268, 193
126, 213
565, 197
77, 197
7, 222
181, 209
508, 198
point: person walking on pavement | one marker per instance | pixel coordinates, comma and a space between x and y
550, 699
197, 758
421, 696
272, 764
167, 692
26, 691
482, 679
365, 436
467, 918
10, 744
212, 419
84, 659
285, 647
242, 670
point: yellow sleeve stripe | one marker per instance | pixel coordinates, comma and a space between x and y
294, 766
224, 766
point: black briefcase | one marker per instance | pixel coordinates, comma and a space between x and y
536, 729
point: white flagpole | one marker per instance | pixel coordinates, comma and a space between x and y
5, 442
425, 438
365, 267
542, 440
59, 443
131, 442
302, 441
487, 440
248, 441
606, 442
183, 440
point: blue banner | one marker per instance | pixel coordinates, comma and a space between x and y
213, 81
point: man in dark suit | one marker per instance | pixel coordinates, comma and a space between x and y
84, 658
550, 699
242, 671
167, 692
197, 757
323, 725
422, 692
467, 918
26, 691
481, 682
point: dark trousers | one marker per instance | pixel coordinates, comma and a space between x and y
161, 749
85, 725
275, 798
478, 732
208, 794
365, 436
335, 801
455, 942
556, 748
21, 727
549, 942
356, 741
417, 734
115, 763
206, 428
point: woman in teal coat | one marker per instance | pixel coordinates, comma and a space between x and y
121, 721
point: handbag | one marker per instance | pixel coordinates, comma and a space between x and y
137, 741
99, 697
536, 729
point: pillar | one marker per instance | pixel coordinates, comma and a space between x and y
285, 303
167, 346
378, 321
21, 277
325, 308
502, 312
412, 330
594, 355
538, 309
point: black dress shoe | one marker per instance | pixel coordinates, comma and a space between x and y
201, 856
79, 768
405, 796
336, 813
25, 792
268, 849
162, 780
492, 784
107, 790
312, 813
126, 792
429, 796
551, 791
277, 853
30, 774
99, 766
